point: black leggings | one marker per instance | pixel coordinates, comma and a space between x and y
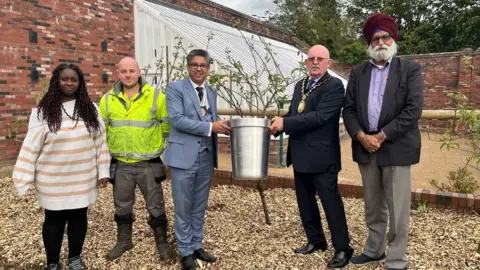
54, 227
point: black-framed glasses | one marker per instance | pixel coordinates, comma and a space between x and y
319, 59
384, 38
201, 66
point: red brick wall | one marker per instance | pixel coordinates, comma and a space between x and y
446, 72
67, 31
443, 73
341, 69
72, 31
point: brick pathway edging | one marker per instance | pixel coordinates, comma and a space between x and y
432, 198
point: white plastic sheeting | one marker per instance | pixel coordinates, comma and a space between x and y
158, 26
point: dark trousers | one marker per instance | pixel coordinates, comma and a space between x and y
326, 185
54, 227
127, 177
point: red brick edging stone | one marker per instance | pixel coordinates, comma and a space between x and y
433, 199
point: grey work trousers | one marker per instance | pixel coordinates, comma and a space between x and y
127, 177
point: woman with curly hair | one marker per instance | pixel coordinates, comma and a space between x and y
66, 157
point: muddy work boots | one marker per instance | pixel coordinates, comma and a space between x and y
124, 237
159, 226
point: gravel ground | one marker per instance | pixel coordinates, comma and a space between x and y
235, 232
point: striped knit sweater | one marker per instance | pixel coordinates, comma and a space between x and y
64, 166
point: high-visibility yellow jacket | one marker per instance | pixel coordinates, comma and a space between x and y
136, 127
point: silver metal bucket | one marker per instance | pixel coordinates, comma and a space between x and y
250, 148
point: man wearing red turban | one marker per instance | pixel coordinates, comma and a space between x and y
383, 104
379, 21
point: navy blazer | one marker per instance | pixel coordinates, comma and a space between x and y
313, 142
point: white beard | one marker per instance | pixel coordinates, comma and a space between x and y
382, 52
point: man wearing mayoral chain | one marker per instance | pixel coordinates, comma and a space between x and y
312, 123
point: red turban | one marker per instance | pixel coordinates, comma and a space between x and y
379, 21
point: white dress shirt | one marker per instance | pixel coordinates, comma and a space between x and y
204, 102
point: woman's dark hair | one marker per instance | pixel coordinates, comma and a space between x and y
50, 106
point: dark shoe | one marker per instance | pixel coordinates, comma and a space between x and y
203, 255
160, 232
76, 263
188, 263
363, 259
124, 237
340, 259
54, 266
309, 248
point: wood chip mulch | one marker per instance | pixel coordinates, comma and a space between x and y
235, 231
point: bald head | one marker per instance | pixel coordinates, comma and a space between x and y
128, 62
319, 49
129, 73
318, 61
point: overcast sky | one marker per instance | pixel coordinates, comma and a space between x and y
249, 7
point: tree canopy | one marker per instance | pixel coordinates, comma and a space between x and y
426, 26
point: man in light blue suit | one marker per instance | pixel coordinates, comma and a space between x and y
191, 154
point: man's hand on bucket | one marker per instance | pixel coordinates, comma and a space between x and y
277, 125
221, 127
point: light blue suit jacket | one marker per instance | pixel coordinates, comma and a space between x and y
187, 125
